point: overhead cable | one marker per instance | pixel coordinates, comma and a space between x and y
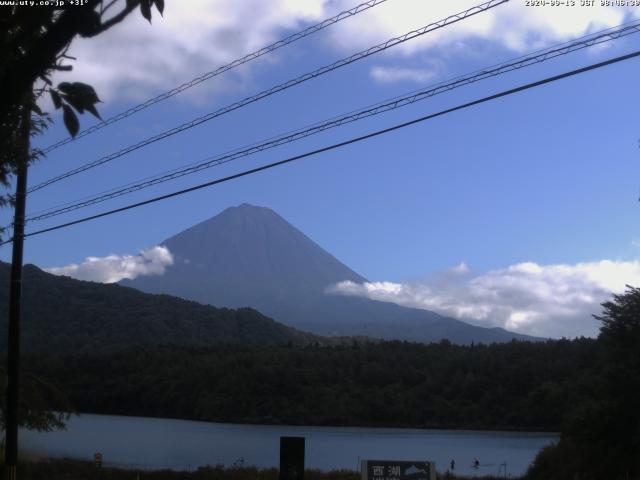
278, 88
338, 145
392, 104
224, 68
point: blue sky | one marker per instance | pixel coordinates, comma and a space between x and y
434, 214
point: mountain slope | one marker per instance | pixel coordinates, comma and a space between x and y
61, 314
250, 256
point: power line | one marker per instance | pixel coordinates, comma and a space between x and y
340, 144
224, 68
382, 107
283, 86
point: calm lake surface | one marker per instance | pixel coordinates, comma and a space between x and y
178, 444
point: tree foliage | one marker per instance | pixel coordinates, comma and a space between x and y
43, 407
601, 436
34, 44
34, 41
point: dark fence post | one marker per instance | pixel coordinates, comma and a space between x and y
291, 458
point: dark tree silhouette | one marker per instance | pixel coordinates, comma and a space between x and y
34, 40
43, 406
601, 436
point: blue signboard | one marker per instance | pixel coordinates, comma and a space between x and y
397, 470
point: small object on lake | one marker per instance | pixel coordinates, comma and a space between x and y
476, 463
453, 464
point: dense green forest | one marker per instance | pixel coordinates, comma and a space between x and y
518, 385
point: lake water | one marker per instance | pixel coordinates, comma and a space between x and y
178, 444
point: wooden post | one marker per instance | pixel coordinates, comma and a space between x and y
15, 299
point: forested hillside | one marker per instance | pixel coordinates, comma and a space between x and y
64, 315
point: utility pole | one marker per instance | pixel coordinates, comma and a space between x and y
15, 297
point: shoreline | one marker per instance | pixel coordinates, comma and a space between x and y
74, 469
440, 428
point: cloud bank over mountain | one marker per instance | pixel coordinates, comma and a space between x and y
113, 268
542, 300
554, 301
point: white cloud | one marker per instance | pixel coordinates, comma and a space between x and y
134, 60
397, 74
512, 25
544, 300
460, 268
114, 268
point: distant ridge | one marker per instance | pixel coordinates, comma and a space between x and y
63, 315
251, 256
